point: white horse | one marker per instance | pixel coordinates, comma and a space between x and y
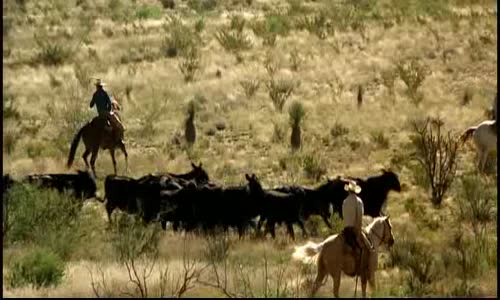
485, 139
333, 256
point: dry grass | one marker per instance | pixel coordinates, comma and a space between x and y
331, 67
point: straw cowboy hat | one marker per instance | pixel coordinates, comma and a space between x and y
99, 82
353, 187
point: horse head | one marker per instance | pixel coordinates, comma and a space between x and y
388, 231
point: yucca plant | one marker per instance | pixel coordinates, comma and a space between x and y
297, 114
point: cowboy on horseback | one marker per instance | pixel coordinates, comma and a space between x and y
104, 107
353, 210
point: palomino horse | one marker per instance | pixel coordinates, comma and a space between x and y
334, 256
95, 137
485, 139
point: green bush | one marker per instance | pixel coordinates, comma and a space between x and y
314, 168
41, 268
42, 217
148, 12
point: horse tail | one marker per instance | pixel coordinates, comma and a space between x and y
74, 145
467, 134
308, 253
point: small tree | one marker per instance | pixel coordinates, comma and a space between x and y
437, 155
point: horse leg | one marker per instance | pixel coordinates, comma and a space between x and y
112, 153
122, 148
93, 159
363, 286
85, 156
301, 224
289, 228
319, 278
482, 161
336, 282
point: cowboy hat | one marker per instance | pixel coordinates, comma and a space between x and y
99, 82
353, 187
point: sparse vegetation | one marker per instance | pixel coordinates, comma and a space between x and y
413, 74
155, 55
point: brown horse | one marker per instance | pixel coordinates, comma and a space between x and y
333, 256
97, 135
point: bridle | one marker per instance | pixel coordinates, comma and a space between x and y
381, 238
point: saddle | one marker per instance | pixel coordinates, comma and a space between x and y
110, 124
356, 250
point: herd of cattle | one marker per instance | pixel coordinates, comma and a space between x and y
191, 201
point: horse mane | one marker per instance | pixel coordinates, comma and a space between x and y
376, 220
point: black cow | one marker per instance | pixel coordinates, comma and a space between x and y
81, 185
143, 195
314, 201
374, 191
120, 192
209, 206
277, 207
197, 173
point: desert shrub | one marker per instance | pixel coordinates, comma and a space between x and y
295, 59
279, 91
43, 217
179, 38
52, 52
279, 132
413, 74
168, 4
217, 248
148, 12
190, 64
336, 86
10, 139
338, 130
139, 53
419, 261
271, 63
234, 39
318, 24
380, 139
314, 167
437, 153
83, 73
201, 6
40, 268
476, 202
388, 78
10, 110
250, 87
